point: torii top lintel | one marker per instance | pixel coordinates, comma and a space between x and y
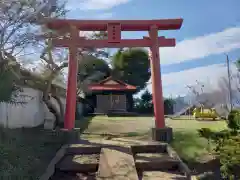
126, 25
114, 28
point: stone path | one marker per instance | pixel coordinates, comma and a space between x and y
117, 159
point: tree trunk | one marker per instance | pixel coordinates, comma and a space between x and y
60, 107
53, 109
51, 106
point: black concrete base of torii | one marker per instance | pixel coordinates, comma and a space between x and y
162, 134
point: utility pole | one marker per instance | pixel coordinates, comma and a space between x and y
189, 102
229, 83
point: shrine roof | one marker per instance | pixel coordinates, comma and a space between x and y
111, 84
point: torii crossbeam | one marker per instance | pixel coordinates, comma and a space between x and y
114, 40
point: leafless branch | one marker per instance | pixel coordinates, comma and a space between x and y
18, 22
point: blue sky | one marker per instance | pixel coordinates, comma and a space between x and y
210, 29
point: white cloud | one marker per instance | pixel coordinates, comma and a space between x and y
94, 4
202, 46
107, 15
175, 83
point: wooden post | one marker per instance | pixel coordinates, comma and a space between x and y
69, 121
156, 79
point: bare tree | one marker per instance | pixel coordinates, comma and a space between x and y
55, 61
235, 83
18, 21
18, 29
201, 94
19, 35
236, 77
214, 97
224, 89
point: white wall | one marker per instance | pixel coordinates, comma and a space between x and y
30, 114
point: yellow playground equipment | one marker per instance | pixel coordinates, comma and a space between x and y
205, 113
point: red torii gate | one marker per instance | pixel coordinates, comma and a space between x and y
114, 29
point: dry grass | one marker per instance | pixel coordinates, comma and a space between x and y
118, 125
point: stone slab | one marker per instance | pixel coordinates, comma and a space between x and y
117, 165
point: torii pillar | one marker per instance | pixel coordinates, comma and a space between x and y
160, 132
114, 28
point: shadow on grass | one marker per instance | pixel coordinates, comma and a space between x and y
133, 134
193, 151
196, 119
26, 152
84, 123
209, 120
129, 114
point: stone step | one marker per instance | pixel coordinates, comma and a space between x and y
78, 168
158, 148
158, 175
114, 164
79, 163
155, 162
73, 176
167, 165
83, 150
108, 160
152, 157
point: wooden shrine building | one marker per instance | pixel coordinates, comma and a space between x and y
111, 96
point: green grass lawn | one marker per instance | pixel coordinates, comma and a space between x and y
25, 153
186, 141
189, 145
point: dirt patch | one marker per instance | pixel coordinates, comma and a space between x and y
77, 176
154, 175
89, 176
80, 159
212, 165
118, 127
147, 157
81, 145
86, 159
112, 142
